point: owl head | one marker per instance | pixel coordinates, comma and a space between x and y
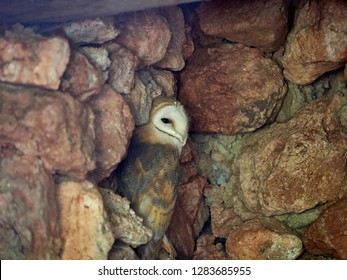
169, 121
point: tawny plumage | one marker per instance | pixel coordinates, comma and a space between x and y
148, 177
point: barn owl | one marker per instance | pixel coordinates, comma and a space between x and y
148, 176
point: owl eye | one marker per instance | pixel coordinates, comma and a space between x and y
165, 120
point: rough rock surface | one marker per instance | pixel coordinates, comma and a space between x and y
95, 31
294, 166
85, 230
125, 225
114, 125
261, 24
122, 68
189, 216
207, 249
146, 34
50, 125
318, 42
28, 210
122, 252
259, 240
173, 59
328, 234
82, 79
99, 57
233, 97
26, 58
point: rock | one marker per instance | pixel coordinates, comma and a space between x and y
114, 125
261, 24
188, 45
190, 214
328, 234
27, 59
188, 163
259, 240
50, 125
81, 78
139, 101
122, 252
125, 225
146, 34
85, 230
206, 249
317, 42
99, 57
95, 31
28, 214
233, 97
173, 59
294, 166
158, 82
122, 69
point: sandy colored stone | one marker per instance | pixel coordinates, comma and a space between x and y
146, 34
173, 59
122, 68
328, 234
261, 24
294, 166
50, 125
85, 230
317, 42
122, 252
206, 249
114, 125
125, 225
95, 30
231, 98
27, 59
82, 79
255, 241
28, 210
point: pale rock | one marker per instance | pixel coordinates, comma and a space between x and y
317, 42
114, 125
146, 34
28, 210
82, 79
125, 225
28, 59
50, 125
261, 24
85, 230
231, 98
95, 31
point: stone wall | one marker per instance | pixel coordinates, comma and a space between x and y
263, 175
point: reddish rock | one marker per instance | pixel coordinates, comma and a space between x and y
189, 216
81, 78
50, 125
206, 249
256, 241
188, 44
29, 228
95, 31
146, 34
27, 59
317, 43
122, 69
233, 97
125, 225
261, 24
294, 166
328, 234
85, 230
114, 125
173, 59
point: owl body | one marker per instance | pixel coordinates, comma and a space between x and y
148, 176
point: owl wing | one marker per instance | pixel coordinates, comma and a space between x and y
149, 178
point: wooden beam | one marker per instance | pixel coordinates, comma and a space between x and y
35, 11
